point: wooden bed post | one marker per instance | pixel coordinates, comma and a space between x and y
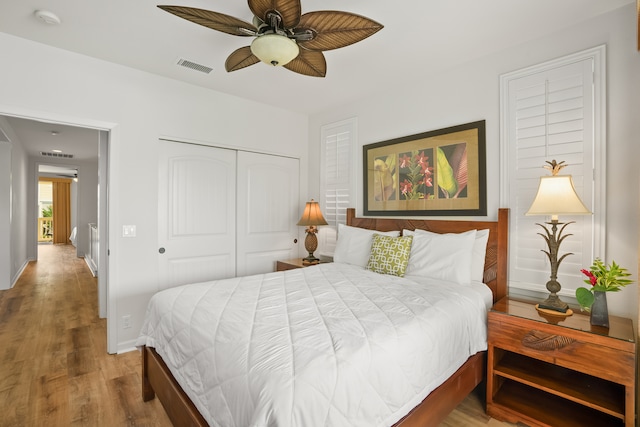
351, 213
147, 391
503, 253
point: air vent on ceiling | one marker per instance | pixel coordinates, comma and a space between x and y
194, 66
60, 155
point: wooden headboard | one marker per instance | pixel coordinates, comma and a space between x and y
495, 266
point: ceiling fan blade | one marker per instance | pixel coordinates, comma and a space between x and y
336, 29
289, 10
310, 63
214, 20
240, 58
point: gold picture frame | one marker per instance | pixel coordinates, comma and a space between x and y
440, 172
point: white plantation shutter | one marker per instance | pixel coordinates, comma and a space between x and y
337, 179
553, 111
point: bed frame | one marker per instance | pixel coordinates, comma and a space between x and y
157, 379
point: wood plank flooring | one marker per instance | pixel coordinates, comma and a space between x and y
54, 366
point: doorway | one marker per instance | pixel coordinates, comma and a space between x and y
93, 179
56, 197
45, 212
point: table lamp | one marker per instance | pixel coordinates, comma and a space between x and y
556, 196
311, 217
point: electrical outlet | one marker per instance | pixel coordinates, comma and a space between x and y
126, 321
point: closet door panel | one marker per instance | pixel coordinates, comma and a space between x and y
268, 199
196, 213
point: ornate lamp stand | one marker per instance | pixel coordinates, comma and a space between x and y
553, 239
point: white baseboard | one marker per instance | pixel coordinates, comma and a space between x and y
91, 265
20, 271
127, 346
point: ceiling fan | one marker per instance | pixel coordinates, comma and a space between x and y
283, 35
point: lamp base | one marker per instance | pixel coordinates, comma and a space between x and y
310, 260
311, 244
554, 303
552, 315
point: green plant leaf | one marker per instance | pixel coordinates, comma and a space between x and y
609, 278
585, 298
391, 163
383, 181
446, 178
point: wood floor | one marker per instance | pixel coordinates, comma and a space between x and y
54, 366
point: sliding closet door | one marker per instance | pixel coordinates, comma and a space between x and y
268, 210
196, 213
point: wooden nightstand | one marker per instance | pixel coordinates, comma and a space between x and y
290, 264
557, 371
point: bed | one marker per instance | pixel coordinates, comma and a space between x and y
159, 380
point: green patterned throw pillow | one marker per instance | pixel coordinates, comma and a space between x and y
389, 255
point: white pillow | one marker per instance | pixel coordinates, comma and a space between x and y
441, 256
354, 244
479, 252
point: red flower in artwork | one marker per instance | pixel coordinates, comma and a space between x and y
405, 161
422, 159
405, 187
414, 166
426, 169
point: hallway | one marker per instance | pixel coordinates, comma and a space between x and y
54, 366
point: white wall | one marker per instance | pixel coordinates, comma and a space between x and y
19, 166
471, 92
13, 205
87, 188
139, 108
5, 214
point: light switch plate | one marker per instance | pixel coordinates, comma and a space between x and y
128, 231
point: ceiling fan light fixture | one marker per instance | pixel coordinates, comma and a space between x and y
275, 49
284, 36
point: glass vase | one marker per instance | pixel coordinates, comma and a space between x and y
599, 310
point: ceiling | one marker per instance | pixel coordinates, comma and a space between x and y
419, 38
37, 137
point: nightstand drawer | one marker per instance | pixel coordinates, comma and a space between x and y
581, 352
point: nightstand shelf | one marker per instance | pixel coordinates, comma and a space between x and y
565, 383
548, 409
546, 371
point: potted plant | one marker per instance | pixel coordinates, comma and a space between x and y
602, 278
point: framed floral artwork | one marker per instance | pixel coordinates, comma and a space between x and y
440, 172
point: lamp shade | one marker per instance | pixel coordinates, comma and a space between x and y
312, 215
557, 196
274, 49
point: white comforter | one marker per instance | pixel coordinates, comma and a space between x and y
329, 345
